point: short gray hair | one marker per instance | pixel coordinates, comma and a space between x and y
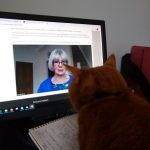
55, 55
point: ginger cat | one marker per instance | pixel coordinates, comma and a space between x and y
110, 116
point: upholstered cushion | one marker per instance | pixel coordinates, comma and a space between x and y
141, 57
135, 77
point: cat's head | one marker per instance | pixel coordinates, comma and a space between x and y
90, 84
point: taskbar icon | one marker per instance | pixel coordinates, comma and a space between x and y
17, 109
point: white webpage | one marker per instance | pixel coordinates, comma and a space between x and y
24, 32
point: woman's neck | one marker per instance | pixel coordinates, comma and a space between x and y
56, 79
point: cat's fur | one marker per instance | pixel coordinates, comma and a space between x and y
111, 117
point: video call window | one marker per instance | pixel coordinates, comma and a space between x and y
32, 66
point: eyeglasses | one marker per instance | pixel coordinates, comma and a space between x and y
57, 62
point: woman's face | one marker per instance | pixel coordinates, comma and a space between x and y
59, 67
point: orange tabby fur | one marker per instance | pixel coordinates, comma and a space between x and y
111, 117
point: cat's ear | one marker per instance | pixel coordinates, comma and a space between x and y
75, 72
111, 61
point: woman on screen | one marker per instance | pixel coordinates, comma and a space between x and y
61, 78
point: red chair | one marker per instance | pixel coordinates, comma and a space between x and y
141, 57
135, 67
